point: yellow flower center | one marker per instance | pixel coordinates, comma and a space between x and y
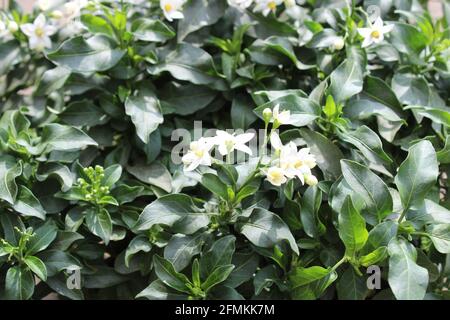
168, 7
199, 153
272, 5
298, 163
375, 34
39, 32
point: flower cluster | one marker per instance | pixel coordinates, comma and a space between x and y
199, 151
7, 27
93, 190
289, 163
268, 6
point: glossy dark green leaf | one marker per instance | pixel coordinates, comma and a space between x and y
91, 55
417, 174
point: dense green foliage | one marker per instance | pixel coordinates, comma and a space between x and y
88, 185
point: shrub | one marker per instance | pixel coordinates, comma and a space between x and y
100, 199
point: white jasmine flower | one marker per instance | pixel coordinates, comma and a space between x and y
375, 33
241, 4
45, 5
172, 9
267, 6
68, 12
12, 26
275, 141
275, 175
293, 10
198, 154
229, 142
39, 33
279, 118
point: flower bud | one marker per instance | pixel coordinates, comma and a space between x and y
338, 44
267, 114
311, 180
12, 26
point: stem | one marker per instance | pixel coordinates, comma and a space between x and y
402, 216
338, 264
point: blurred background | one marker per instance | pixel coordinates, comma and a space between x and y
433, 5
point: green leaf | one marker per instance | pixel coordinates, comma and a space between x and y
352, 228
19, 284
368, 142
99, 223
309, 212
158, 291
351, 286
187, 63
56, 261
57, 170
380, 236
112, 175
347, 79
220, 254
167, 274
215, 185
407, 280
417, 174
220, 274
155, 174
59, 137
199, 14
326, 152
9, 55
181, 248
265, 229
309, 283
174, 210
151, 30
92, 55
273, 50
138, 244
246, 265
98, 25
436, 115
83, 113
145, 112
241, 113
42, 238
440, 235
185, 99
10, 169
443, 155
37, 266
303, 110
370, 187
52, 80
28, 205
373, 257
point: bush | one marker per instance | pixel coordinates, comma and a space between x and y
110, 189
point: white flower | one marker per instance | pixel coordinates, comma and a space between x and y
45, 5
279, 118
3, 30
293, 10
39, 33
267, 6
172, 9
12, 26
375, 33
229, 142
198, 154
69, 12
293, 163
241, 4
275, 175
